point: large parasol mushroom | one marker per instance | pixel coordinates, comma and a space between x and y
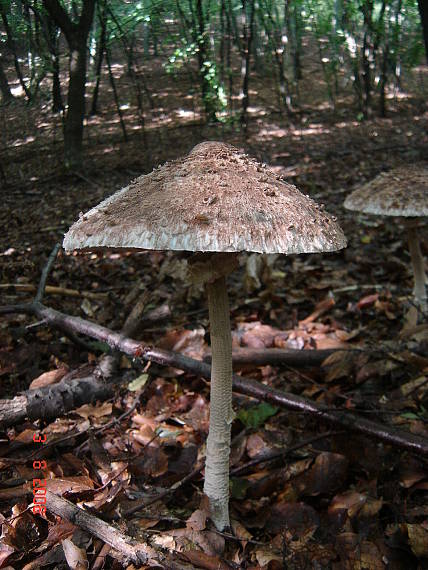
217, 202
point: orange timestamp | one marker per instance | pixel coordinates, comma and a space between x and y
39, 485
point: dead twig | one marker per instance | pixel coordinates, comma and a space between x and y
45, 273
52, 290
126, 549
276, 356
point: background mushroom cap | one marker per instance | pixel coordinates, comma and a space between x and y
399, 192
213, 199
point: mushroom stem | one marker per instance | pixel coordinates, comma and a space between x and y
216, 485
419, 291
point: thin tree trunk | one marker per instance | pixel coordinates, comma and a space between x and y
245, 68
207, 95
12, 46
383, 81
423, 11
116, 96
45, 24
222, 40
6, 93
297, 65
396, 43
99, 58
135, 77
57, 102
229, 59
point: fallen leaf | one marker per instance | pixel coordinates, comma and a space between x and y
48, 378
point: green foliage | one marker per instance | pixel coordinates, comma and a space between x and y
350, 38
257, 415
180, 57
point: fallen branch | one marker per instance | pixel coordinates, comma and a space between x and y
276, 356
97, 527
247, 386
128, 551
52, 290
50, 402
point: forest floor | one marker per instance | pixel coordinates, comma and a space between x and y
342, 502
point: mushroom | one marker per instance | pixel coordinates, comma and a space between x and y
217, 202
401, 192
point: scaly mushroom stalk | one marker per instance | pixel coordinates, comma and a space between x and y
419, 290
216, 485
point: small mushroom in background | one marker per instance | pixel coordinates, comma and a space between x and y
215, 202
402, 192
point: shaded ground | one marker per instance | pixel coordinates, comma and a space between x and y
341, 502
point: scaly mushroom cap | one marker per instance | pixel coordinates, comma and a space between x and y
213, 199
399, 192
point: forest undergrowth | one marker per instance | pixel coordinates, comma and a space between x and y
340, 500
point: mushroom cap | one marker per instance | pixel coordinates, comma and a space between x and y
213, 199
399, 192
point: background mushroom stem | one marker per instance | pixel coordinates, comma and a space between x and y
419, 290
216, 485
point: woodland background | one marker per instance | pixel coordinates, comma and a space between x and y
329, 93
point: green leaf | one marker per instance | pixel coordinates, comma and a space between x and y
409, 416
257, 415
138, 383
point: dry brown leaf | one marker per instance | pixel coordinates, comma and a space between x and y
48, 378
94, 411
299, 519
197, 520
240, 532
326, 474
351, 502
75, 556
199, 415
203, 560
418, 539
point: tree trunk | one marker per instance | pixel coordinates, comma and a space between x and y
12, 46
77, 36
365, 55
207, 94
423, 11
73, 126
6, 93
99, 60
245, 66
115, 95
383, 81
57, 103
297, 65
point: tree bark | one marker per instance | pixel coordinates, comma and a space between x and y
12, 46
6, 93
199, 34
99, 58
57, 103
245, 65
423, 11
76, 35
